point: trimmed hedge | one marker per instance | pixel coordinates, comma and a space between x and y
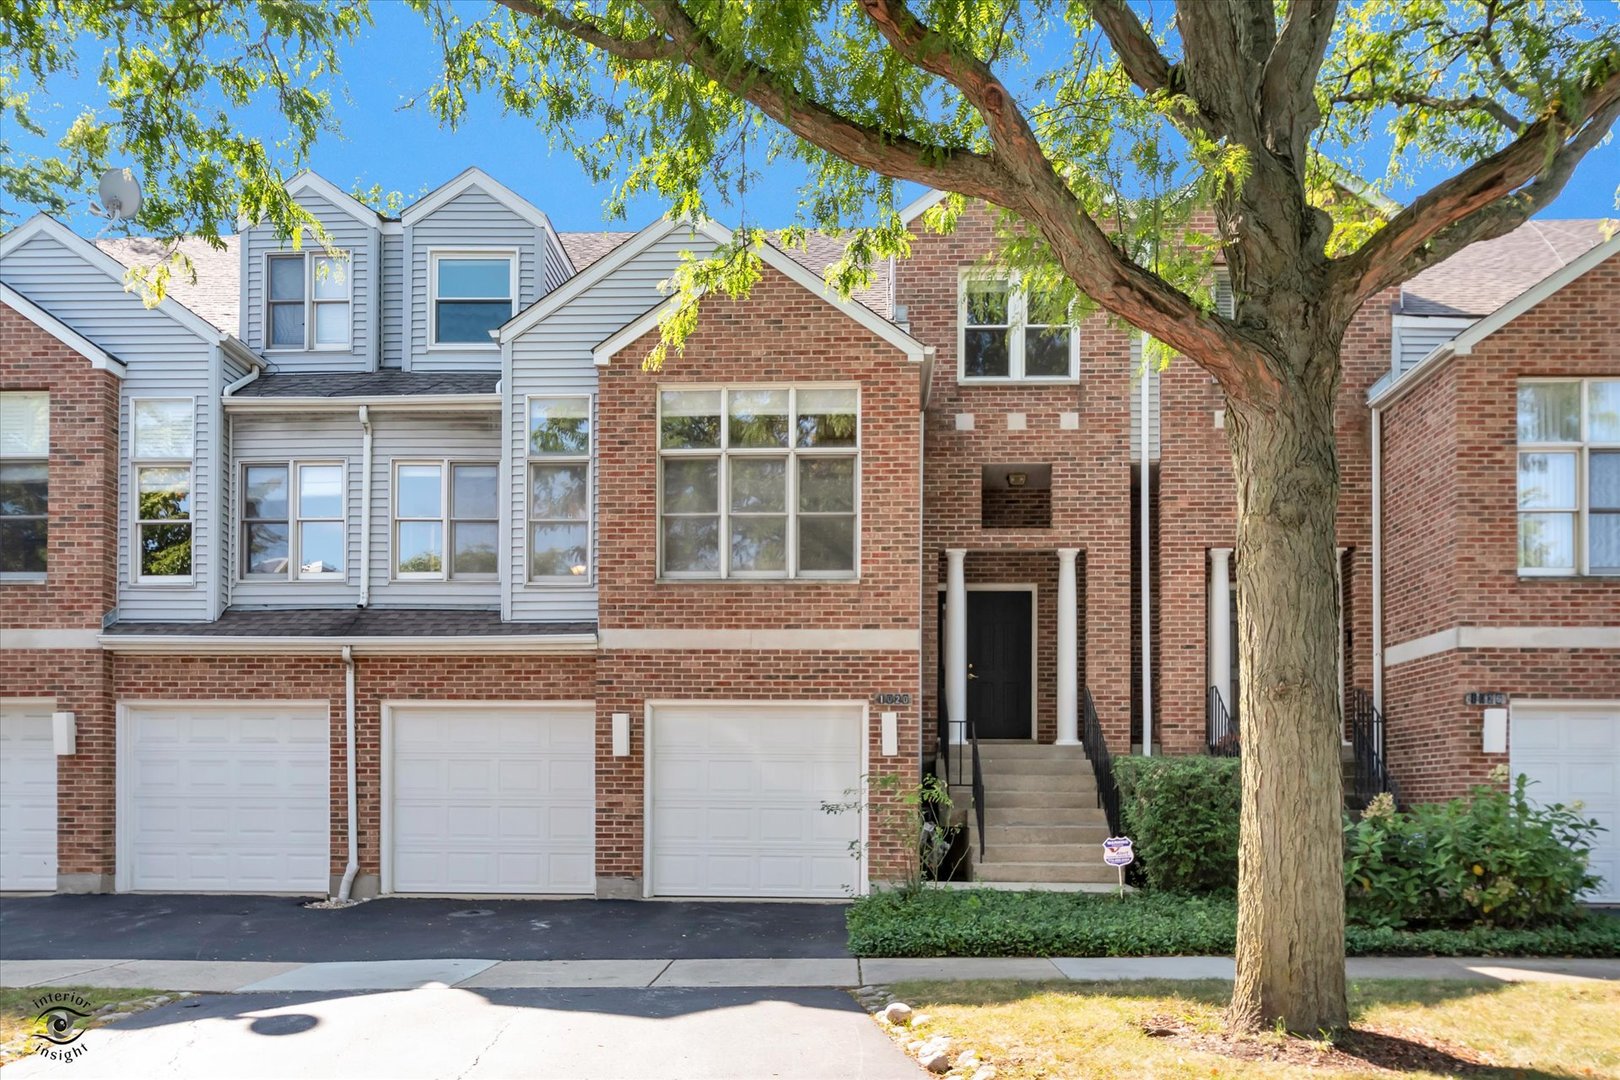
1182, 814
983, 922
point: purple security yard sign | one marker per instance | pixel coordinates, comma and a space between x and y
1118, 853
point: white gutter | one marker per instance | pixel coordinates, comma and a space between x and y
313, 645
232, 388
1378, 559
353, 867
365, 505
1147, 575
400, 402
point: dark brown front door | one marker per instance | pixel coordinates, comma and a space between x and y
998, 653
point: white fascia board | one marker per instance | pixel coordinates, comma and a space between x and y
397, 402
99, 358
1463, 344
320, 185
586, 279
604, 351
922, 203
45, 225
436, 645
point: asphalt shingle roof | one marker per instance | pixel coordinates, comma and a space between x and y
352, 622
1482, 277
213, 295
370, 384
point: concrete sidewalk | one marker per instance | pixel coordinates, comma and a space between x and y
256, 977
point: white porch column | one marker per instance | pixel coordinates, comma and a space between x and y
1220, 624
1068, 650
956, 643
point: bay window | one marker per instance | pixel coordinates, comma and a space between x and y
294, 522
559, 511
758, 482
307, 301
161, 451
472, 294
1010, 333
25, 446
445, 520
1569, 476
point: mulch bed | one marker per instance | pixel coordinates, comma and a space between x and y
1360, 1047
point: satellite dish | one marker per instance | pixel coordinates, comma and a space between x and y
120, 194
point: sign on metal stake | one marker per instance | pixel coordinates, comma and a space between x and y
1118, 853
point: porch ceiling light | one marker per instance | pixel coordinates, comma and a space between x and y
1017, 479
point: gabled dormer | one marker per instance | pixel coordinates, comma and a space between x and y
476, 253
306, 308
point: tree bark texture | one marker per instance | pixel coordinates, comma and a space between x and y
1290, 929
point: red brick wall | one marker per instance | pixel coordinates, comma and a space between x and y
81, 566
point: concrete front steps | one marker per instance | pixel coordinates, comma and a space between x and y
1042, 824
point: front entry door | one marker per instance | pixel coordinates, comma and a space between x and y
999, 667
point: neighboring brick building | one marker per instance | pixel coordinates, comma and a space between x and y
591, 628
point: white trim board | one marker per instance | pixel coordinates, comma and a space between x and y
831, 640
424, 645
1034, 643
61, 331
1503, 637
50, 639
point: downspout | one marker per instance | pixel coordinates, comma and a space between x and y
365, 505
1147, 567
353, 867
1378, 559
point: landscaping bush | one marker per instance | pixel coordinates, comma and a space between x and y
982, 922
1491, 859
1182, 813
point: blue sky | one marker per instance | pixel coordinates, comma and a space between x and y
405, 149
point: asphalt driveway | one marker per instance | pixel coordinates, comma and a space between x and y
276, 928
440, 1032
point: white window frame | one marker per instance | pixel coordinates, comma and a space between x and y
530, 460
1017, 329
446, 519
310, 302
22, 576
435, 256
293, 519
725, 452
1582, 450
136, 464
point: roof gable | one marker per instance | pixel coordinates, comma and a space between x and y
320, 185
476, 179
99, 358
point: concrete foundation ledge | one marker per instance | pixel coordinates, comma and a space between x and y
84, 883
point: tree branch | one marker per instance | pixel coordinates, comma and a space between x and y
1288, 80
1137, 51
1473, 103
1486, 200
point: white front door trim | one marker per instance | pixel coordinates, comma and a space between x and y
1034, 641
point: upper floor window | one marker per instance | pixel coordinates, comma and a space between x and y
473, 293
1010, 333
445, 519
758, 482
308, 301
25, 447
1569, 476
161, 450
559, 489
293, 520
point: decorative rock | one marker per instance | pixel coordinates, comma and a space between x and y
935, 1061
985, 1072
967, 1059
896, 1012
919, 1019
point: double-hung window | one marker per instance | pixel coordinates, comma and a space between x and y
1569, 476
307, 301
1010, 333
161, 452
25, 446
293, 520
758, 482
473, 293
559, 489
445, 520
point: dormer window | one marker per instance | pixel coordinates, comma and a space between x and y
1011, 334
308, 301
473, 293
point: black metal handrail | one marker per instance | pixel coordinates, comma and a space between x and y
1220, 727
965, 769
1102, 763
1366, 728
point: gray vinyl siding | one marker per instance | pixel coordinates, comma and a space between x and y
1135, 403
166, 360
1413, 343
360, 241
556, 269
393, 299
273, 438
554, 358
424, 437
470, 220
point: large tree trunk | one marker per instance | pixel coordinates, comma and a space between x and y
1290, 927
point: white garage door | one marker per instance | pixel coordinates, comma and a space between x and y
27, 798
225, 798
1572, 753
737, 796
493, 798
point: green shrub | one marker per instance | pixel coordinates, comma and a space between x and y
982, 922
1182, 813
1491, 859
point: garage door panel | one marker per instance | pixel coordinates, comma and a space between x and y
1571, 753
28, 819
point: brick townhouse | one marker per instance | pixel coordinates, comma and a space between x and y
396, 571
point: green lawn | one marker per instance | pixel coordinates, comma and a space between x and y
1416, 1028
18, 1012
